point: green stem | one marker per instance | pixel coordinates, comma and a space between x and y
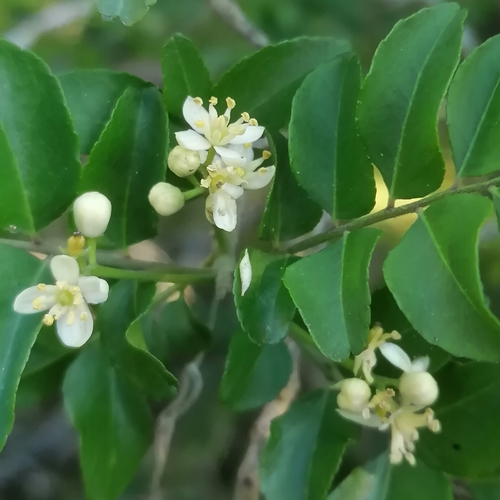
92, 253
221, 237
388, 213
193, 193
194, 181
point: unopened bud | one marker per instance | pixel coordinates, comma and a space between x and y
354, 395
76, 244
166, 199
92, 212
183, 162
418, 388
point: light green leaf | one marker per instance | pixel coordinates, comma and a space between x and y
264, 83
378, 480
325, 151
127, 161
129, 11
330, 289
18, 332
266, 309
38, 146
184, 73
304, 449
254, 374
473, 109
435, 269
401, 96
113, 421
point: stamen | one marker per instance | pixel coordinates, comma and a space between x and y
205, 183
213, 100
240, 171
38, 303
266, 154
83, 316
71, 317
366, 413
253, 122
48, 320
41, 286
395, 335
231, 103
410, 458
247, 145
199, 123
198, 101
262, 170
245, 116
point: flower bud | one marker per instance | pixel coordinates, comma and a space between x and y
166, 199
76, 244
92, 212
418, 388
183, 162
354, 395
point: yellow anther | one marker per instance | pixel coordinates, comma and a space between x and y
71, 317
38, 303
213, 100
76, 244
198, 101
231, 103
245, 116
247, 145
41, 286
240, 171
83, 316
199, 123
48, 320
266, 154
395, 335
262, 170
253, 122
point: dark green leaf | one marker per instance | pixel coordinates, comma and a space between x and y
401, 96
473, 109
38, 146
304, 449
91, 96
184, 73
265, 83
330, 289
325, 151
127, 161
289, 211
266, 309
254, 374
129, 11
485, 490
495, 193
435, 269
113, 421
19, 270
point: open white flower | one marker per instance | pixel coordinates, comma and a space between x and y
211, 130
66, 301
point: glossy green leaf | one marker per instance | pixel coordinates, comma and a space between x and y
325, 151
401, 96
129, 11
265, 309
330, 289
485, 490
495, 194
38, 146
473, 109
467, 408
113, 421
18, 332
378, 480
254, 374
264, 83
435, 269
304, 449
127, 161
184, 73
120, 314
289, 211
91, 96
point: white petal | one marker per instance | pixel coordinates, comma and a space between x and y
371, 421
251, 134
242, 150
230, 157
94, 290
189, 139
224, 211
420, 364
76, 334
65, 268
203, 156
245, 272
232, 190
24, 301
194, 113
395, 355
259, 178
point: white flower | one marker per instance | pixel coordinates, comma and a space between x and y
354, 394
183, 162
367, 359
92, 212
166, 199
211, 130
66, 301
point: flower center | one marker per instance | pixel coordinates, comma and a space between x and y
65, 297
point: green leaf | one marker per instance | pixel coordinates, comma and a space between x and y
129, 11
254, 374
184, 73
330, 289
38, 146
467, 408
379, 480
113, 421
289, 211
485, 490
265, 309
264, 83
91, 96
401, 96
473, 109
18, 332
435, 269
325, 151
120, 314
495, 194
304, 449
127, 161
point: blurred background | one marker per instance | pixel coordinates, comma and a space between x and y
40, 461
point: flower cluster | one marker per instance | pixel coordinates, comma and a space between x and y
403, 412
220, 154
